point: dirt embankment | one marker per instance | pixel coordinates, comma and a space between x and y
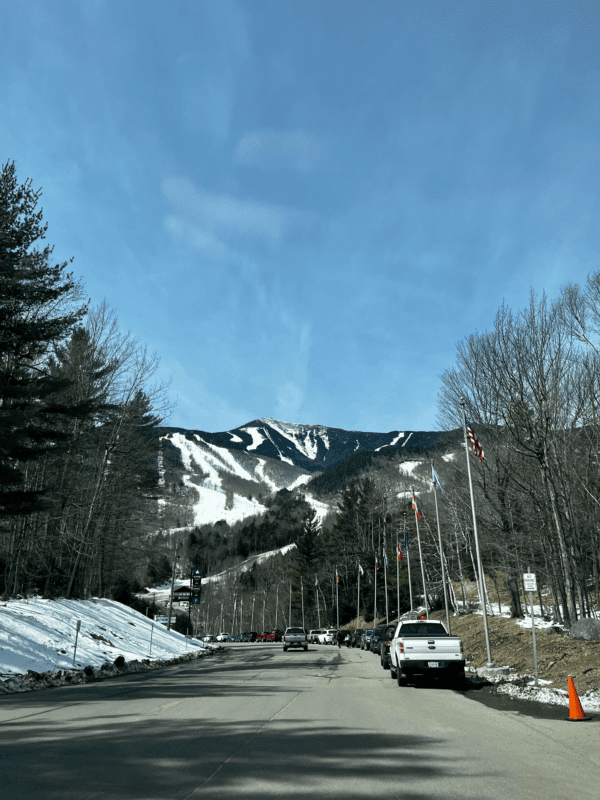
558, 655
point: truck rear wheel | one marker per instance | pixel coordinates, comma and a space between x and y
284, 648
401, 678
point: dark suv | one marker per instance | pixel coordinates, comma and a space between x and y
384, 644
373, 644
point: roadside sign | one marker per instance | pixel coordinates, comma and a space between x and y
164, 620
529, 582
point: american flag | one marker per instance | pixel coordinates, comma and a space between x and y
477, 448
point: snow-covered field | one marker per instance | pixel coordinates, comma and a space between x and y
39, 635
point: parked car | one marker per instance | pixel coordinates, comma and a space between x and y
375, 639
366, 639
222, 637
211, 639
295, 637
357, 638
423, 648
327, 636
384, 644
313, 635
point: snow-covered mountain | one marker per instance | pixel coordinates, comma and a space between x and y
313, 448
207, 477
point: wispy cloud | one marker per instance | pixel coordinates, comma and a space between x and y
272, 149
204, 220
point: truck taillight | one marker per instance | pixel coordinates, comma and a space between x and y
401, 647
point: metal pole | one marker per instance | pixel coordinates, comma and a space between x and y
387, 616
490, 662
252, 623
375, 596
290, 613
318, 607
302, 598
441, 557
276, 608
358, 600
397, 578
535, 661
151, 635
408, 564
337, 603
421, 560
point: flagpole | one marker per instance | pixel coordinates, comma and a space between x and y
337, 602
302, 596
437, 515
290, 611
406, 547
387, 615
490, 662
421, 556
397, 578
375, 596
358, 599
318, 607
276, 607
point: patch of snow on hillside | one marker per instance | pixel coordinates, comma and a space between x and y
448, 457
281, 456
407, 438
191, 452
257, 438
262, 475
305, 438
408, 466
300, 480
234, 437
321, 508
226, 460
392, 443
210, 506
39, 635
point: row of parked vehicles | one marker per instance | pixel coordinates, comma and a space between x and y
416, 649
247, 636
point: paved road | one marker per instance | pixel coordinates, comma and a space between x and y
258, 724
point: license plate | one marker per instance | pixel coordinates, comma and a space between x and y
434, 663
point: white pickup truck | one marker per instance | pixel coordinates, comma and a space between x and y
423, 648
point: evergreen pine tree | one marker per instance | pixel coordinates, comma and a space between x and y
38, 309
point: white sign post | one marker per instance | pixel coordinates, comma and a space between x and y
530, 584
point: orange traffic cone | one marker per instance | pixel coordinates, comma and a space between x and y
575, 710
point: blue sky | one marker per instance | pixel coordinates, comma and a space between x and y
302, 206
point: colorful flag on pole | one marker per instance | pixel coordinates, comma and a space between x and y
477, 448
337, 577
376, 563
316, 581
387, 563
405, 539
361, 570
399, 551
414, 505
436, 478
